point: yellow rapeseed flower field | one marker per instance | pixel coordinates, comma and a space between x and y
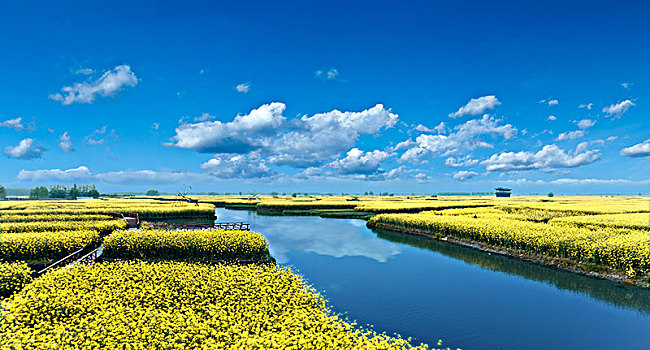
13, 277
175, 305
44, 246
229, 245
620, 246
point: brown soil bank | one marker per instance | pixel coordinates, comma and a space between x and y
592, 270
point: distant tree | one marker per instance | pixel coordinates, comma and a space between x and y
3, 192
153, 193
550, 194
273, 193
39, 192
74, 192
294, 195
92, 192
58, 191
371, 193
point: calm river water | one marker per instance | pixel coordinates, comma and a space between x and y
430, 290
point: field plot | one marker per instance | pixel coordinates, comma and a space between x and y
612, 233
178, 305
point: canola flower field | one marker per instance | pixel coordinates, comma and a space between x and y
147, 208
613, 233
13, 277
210, 245
176, 305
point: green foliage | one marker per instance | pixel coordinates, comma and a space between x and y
3, 192
550, 194
153, 193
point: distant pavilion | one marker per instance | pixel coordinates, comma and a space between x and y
503, 192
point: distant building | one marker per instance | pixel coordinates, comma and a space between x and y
503, 192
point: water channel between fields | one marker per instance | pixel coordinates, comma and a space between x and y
429, 290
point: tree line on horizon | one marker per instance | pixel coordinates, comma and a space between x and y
63, 192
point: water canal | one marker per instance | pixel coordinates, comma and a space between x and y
429, 290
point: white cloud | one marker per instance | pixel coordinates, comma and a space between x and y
359, 162
330, 74
53, 175
238, 166
570, 135
585, 123
476, 106
625, 85
464, 175
553, 102
551, 117
204, 117
586, 105
639, 150
440, 128
108, 84
94, 138
549, 157
466, 161
84, 71
243, 87
423, 128
244, 134
464, 138
24, 150
322, 137
155, 126
15, 123
616, 111
65, 142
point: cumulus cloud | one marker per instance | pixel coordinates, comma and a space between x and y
243, 87
570, 135
476, 106
585, 123
616, 111
55, 175
465, 137
359, 162
626, 85
466, 161
329, 74
553, 103
244, 134
549, 157
238, 166
464, 175
423, 128
639, 150
551, 117
322, 137
108, 84
15, 124
65, 142
586, 106
440, 128
24, 150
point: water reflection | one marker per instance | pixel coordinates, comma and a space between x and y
618, 295
332, 237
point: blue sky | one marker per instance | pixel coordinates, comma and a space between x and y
329, 96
